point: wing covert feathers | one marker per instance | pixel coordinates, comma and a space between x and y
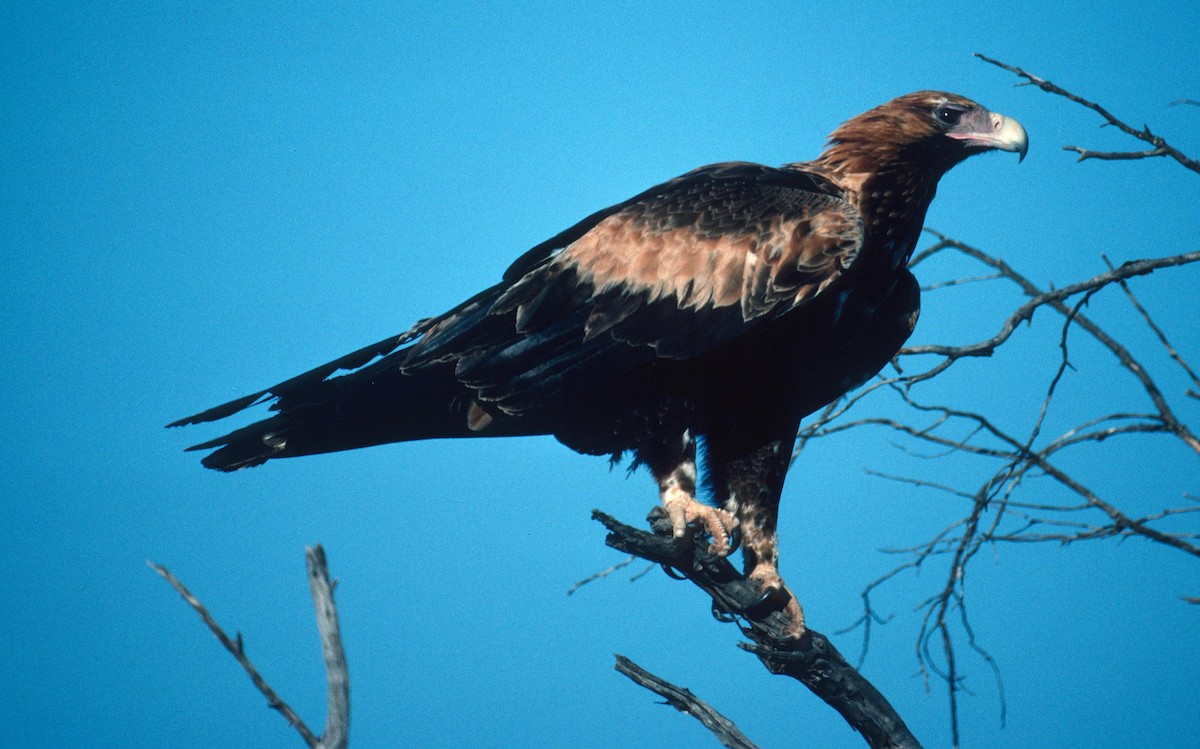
676, 271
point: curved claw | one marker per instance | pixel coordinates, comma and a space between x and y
735, 538
775, 596
671, 573
764, 598
721, 615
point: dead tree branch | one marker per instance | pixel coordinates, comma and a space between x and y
685, 702
601, 574
337, 676
812, 659
1160, 146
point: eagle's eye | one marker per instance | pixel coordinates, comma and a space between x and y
948, 114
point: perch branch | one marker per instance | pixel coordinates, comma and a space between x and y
811, 659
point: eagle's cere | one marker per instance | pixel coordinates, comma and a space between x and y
718, 308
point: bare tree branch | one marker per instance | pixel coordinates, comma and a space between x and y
1085, 154
337, 677
811, 659
1158, 333
601, 574
685, 702
1160, 146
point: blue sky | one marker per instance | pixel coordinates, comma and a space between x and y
196, 202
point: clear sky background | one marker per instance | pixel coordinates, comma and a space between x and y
196, 202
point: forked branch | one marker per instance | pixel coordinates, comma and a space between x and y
337, 722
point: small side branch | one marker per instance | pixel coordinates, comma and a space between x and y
1085, 154
1158, 332
811, 659
601, 574
685, 702
338, 722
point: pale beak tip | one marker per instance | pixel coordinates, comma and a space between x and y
1011, 136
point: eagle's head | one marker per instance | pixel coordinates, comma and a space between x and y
927, 130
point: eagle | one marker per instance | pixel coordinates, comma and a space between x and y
715, 310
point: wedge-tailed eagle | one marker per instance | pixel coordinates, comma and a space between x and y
720, 308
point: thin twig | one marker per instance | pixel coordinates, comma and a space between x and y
1085, 154
601, 574
1162, 337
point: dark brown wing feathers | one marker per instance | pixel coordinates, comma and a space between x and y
680, 270
676, 271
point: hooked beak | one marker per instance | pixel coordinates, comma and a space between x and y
996, 132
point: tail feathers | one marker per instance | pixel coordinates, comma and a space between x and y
485, 368
359, 410
246, 447
221, 411
311, 378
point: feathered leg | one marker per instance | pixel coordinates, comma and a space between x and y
675, 471
750, 484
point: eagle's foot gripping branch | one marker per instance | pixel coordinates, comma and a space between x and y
778, 596
683, 509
